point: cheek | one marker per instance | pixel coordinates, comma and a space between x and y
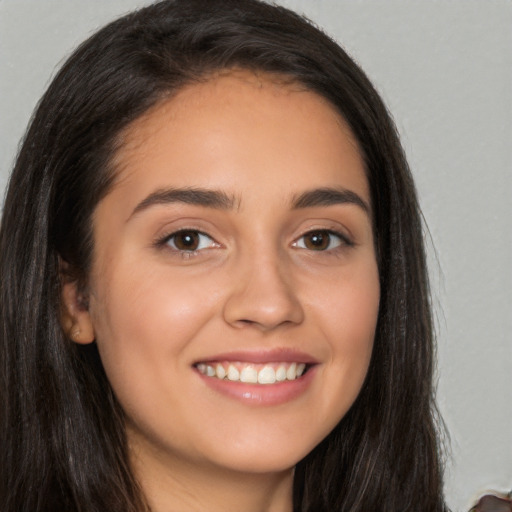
347, 307
347, 315
357, 312
143, 318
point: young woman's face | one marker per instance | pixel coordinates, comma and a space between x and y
234, 291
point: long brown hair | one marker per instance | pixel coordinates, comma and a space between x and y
62, 437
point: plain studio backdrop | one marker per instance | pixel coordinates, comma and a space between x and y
444, 69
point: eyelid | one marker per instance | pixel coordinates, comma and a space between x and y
164, 241
344, 240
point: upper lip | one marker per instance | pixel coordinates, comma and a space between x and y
279, 355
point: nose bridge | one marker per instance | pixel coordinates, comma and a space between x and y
264, 292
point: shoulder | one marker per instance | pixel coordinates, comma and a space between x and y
492, 503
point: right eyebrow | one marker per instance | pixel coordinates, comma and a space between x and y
197, 196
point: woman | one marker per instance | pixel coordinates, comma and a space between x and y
214, 292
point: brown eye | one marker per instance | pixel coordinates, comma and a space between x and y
317, 241
189, 240
320, 240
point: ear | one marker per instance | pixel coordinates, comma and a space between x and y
75, 317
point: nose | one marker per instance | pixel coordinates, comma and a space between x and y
263, 296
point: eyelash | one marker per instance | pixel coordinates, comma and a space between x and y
165, 242
343, 241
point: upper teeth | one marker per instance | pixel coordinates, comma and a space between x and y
253, 373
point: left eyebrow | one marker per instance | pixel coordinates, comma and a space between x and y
329, 197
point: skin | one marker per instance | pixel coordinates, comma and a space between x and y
256, 284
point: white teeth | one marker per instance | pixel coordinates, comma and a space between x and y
281, 374
221, 373
249, 374
233, 373
267, 375
291, 373
253, 374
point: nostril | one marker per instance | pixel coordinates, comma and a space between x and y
259, 303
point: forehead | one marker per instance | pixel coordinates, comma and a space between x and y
217, 130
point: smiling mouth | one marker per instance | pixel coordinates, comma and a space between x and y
252, 373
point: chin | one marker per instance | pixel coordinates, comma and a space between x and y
263, 455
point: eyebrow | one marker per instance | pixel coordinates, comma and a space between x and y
329, 197
195, 196
219, 200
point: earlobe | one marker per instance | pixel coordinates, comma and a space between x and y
75, 317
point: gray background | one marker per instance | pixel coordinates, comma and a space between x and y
445, 71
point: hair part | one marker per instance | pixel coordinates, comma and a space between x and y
62, 438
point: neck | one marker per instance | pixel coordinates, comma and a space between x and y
178, 485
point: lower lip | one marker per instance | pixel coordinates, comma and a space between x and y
262, 394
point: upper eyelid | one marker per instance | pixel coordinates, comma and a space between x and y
344, 234
185, 230
168, 231
328, 223
345, 239
175, 232
340, 231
